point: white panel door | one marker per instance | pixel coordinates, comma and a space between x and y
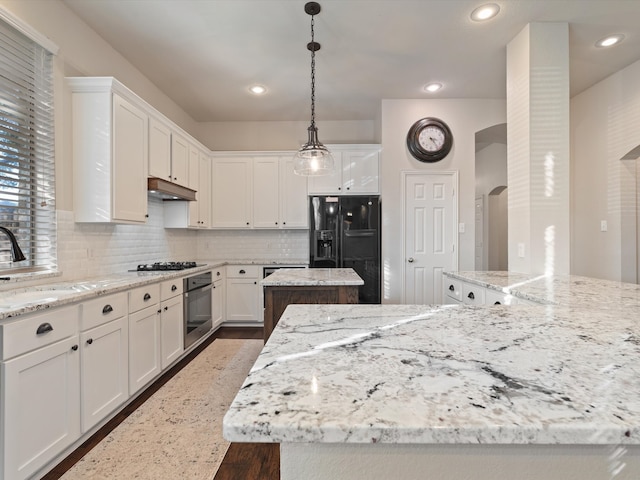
430, 236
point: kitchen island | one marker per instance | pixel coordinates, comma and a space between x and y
450, 392
307, 286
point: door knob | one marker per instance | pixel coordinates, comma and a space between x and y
410, 260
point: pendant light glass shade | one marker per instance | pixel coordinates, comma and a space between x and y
313, 158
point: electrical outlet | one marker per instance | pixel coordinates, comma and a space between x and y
521, 250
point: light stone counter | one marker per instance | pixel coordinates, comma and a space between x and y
404, 391
286, 277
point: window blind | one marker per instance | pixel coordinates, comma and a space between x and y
27, 176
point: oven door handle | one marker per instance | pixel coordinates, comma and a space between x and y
198, 290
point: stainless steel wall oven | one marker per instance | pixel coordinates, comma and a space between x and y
197, 307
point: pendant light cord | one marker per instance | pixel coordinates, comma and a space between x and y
313, 76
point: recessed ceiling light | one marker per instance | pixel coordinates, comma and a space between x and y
257, 89
485, 12
432, 87
610, 40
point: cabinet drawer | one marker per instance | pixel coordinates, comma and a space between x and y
452, 288
244, 271
143, 297
492, 297
21, 335
171, 288
102, 310
218, 273
472, 294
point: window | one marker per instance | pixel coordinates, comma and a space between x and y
27, 179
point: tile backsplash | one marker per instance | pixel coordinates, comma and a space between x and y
91, 250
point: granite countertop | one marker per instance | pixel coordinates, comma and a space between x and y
452, 374
20, 301
312, 277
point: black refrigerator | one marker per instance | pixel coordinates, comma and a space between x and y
345, 233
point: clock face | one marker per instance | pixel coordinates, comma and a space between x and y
429, 140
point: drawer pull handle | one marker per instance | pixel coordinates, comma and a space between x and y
497, 303
44, 328
107, 309
451, 288
217, 274
471, 295
173, 288
166, 308
242, 272
89, 341
74, 348
147, 297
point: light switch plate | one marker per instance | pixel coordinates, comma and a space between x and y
521, 250
603, 225
461, 228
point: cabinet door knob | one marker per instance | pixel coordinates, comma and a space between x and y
146, 297
44, 328
242, 272
410, 260
451, 288
217, 274
497, 303
74, 347
107, 309
166, 308
89, 341
247, 223
173, 288
471, 295
255, 283
284, 223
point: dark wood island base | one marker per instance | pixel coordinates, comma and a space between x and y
278, 298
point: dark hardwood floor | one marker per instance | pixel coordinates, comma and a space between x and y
242, 461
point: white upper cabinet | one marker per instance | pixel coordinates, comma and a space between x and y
293, 196
110, 152
258, 190
266, 192
231, 192
180, 160
194, 164
159, 149
357, 172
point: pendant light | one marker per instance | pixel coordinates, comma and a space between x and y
313, 158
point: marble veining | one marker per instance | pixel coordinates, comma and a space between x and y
452, 374
312, 276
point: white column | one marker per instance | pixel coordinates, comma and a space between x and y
538, 149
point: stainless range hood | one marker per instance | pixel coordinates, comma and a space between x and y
169, 191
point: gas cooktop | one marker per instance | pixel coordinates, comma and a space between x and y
161, 266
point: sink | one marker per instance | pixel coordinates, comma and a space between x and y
41, 295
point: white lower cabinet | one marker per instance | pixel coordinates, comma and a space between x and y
104, 357
40, 387
244, 294
218, 297
144, 336
171, 322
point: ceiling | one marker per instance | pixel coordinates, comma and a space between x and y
205, 54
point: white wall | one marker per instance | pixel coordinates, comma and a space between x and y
605, 126
465, 117
282, 135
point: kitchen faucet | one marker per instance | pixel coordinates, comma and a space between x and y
16, 253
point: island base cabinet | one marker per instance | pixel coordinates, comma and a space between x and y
340, 461
104, 370
38, 427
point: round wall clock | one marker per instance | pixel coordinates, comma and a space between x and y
429, 140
